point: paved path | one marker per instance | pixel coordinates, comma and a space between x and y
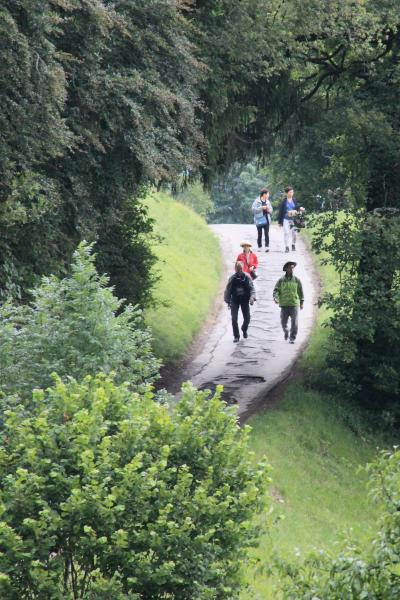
249, 369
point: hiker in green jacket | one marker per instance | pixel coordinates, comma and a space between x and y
288, 293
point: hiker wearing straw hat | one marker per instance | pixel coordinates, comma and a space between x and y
249, 259
288, 293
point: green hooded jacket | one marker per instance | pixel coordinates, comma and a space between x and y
288, 291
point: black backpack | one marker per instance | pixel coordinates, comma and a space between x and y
240, 286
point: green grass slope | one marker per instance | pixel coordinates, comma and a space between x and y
319, 486
190, 267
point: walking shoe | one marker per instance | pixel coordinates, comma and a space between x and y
293, 247
236, 339
292, 341
286, 334
267, 249
245, 335
287, 249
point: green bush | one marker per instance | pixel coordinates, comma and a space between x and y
362, 359
72, 328
108, 494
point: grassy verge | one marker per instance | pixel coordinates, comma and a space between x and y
319, 487
190, 268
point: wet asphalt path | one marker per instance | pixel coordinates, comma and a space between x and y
252, 367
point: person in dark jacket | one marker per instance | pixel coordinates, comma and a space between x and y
240, 292
287, 211
288, 293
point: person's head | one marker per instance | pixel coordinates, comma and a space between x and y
288, 268
264, 194
246, 246
238, 266
289, 192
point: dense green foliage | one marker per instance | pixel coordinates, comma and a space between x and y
234, 193
93, 107
358, 572
99, 99
108, 494
363, 361
75, 327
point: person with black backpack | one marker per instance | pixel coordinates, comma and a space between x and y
240, 292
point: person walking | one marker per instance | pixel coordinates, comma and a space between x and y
288, 293
287, 212
239, 292
249, 260
262, 211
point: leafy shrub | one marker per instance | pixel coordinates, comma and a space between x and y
108, 494
362, 360
72, 327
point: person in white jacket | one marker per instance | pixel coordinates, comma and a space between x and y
262, 211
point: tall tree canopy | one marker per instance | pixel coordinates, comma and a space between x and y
97, 100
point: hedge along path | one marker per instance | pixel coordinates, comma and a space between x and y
250, 369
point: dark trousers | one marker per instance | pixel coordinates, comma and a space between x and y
244, 305
266, 234
293, 313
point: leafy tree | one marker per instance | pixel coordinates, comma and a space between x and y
33, 131
234, 193
74, 326
357, 573
97, 99
107, 493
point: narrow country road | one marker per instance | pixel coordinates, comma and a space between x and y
249, 369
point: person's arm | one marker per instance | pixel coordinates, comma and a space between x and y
252, 289
257, 208
276, 292
300, 292
255, 260
227, 292
282, 210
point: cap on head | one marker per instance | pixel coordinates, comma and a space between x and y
243, 244
287, 264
